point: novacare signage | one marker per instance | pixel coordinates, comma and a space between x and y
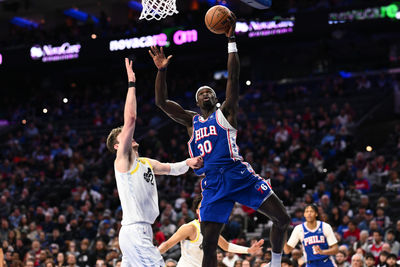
178, 38
47, 53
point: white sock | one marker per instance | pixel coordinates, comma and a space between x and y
276, 259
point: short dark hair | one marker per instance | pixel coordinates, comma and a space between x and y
313, 206
369, 255
392, 255
112, 139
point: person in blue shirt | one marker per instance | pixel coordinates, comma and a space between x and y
317, 238
228, 179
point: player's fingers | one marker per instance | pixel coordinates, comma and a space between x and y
151, 54
154, 50
169, 57
126, 62
162, 50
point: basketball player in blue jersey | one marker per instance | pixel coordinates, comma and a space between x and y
317, 239
228, 179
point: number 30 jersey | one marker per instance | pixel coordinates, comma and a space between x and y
215, 140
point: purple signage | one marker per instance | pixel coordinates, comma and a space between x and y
181, 37
178, 38
265, 28
1, 59
57, 53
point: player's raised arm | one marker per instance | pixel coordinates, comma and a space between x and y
124, 151
171, 108
231, 103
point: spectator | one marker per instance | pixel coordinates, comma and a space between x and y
363, 243
341, 259
230, 258
394, 244
352, 235
382, 220
391, 261
357, 260
376, 247
369, 260
382, 259
362, 183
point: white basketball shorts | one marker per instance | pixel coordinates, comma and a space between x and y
136, 243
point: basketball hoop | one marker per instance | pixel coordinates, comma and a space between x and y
158, 9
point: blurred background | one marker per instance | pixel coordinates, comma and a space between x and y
318, 116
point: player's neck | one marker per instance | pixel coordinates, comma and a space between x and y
311, 225
206, 113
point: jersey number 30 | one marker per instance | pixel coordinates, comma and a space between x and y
204, 148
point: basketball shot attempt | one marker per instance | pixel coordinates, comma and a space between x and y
137, 187
228, 179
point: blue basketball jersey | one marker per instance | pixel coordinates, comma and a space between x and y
215, 140
315, 238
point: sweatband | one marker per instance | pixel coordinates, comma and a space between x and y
232, 48
203, 87
237, 249
178, 168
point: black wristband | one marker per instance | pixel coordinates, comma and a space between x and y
131, 84
162, 69
232, 38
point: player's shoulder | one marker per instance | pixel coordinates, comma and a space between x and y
145, 161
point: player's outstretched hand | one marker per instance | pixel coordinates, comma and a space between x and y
129, 71
159, 58
257, 246
232, 22
195, 163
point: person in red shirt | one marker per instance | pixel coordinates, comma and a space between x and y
352, 235
376, 247
362, 183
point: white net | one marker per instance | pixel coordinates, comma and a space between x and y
158, 9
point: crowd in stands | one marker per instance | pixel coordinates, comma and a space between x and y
59, 204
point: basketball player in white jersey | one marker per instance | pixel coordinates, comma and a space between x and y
137, 187
191, 239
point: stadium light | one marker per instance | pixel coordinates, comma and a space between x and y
368, 148
80, 15
65, 100
248, 82
45, 110
24, 23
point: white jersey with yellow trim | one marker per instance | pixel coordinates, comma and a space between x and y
137, 191
191, 251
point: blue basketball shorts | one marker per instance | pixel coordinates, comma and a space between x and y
224, 186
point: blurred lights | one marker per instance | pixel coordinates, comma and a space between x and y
45, 110
65, 100
1, 59
368, 148
248, 82
94, 36
23, 121
324, 170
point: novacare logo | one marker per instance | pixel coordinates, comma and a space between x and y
57, 53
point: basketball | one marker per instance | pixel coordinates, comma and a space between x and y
218, 19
